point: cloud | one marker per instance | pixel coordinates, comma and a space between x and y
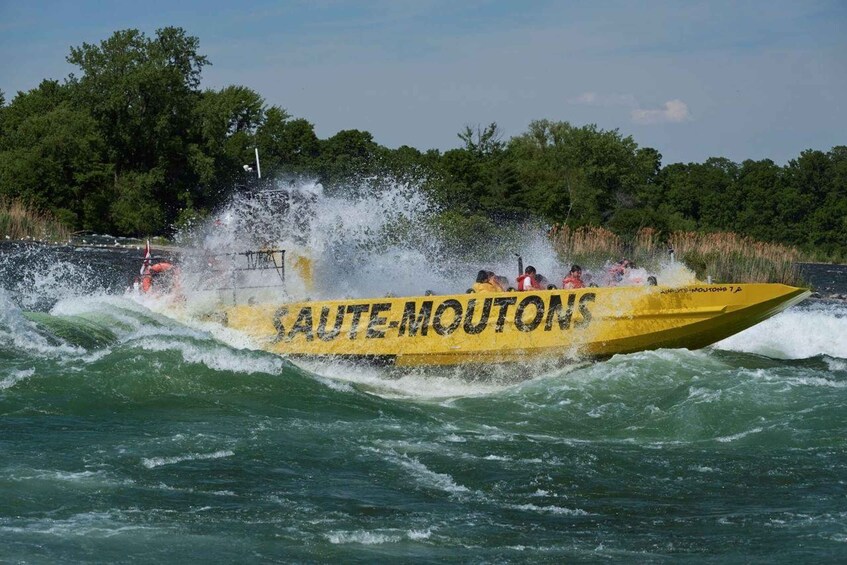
673, 111
594, 99
584, 98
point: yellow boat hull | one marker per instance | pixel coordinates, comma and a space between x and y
512, 326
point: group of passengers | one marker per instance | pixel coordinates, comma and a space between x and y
487, 281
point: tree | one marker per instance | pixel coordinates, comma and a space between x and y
142, 93
345, 155
589, 172
760, 187
228, 120
715, 180
52, 156
483, 141
287, 145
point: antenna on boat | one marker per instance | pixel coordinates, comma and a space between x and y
520, 264
258, 166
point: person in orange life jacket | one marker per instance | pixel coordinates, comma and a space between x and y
529, 279
486, 281
574, 278
154, 270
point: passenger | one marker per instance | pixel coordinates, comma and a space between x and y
500, 283
619, 271
503, 283
486, 282
574, 278
529, 279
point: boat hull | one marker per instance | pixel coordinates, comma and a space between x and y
513, 326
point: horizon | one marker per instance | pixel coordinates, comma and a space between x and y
751, 81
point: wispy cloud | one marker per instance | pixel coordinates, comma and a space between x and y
595, 99
673, 111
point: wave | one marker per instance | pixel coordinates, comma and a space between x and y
802, 332
153, 462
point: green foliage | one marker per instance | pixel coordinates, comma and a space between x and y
288, 145
346, 155
227, 121
132, 146
463, 234
135, 210
582, 175
51, 154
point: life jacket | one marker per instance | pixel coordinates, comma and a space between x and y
161, 267
484, 287
528, 282
571, 282
147, 278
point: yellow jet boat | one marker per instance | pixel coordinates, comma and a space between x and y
512, 326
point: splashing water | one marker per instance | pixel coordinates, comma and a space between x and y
367, 241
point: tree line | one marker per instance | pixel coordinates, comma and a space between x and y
135, 146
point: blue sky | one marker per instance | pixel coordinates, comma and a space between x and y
693, 80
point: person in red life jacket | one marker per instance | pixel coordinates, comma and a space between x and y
529, 280
574, 278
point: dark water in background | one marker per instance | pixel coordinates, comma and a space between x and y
826, 280
126, 436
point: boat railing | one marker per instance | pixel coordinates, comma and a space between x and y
235, 271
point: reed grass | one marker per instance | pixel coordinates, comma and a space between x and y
725, 257
728, 257
19, 220
586, 245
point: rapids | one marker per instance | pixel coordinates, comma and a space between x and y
131, 435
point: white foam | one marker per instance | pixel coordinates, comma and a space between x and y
703, 395
93, 479
15, 378
153, 462
43, 278
740, 435
216, 356
77, 306
429, 478
84, 525
390, 382
363, 537
550, 509
797, 333
20, 333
